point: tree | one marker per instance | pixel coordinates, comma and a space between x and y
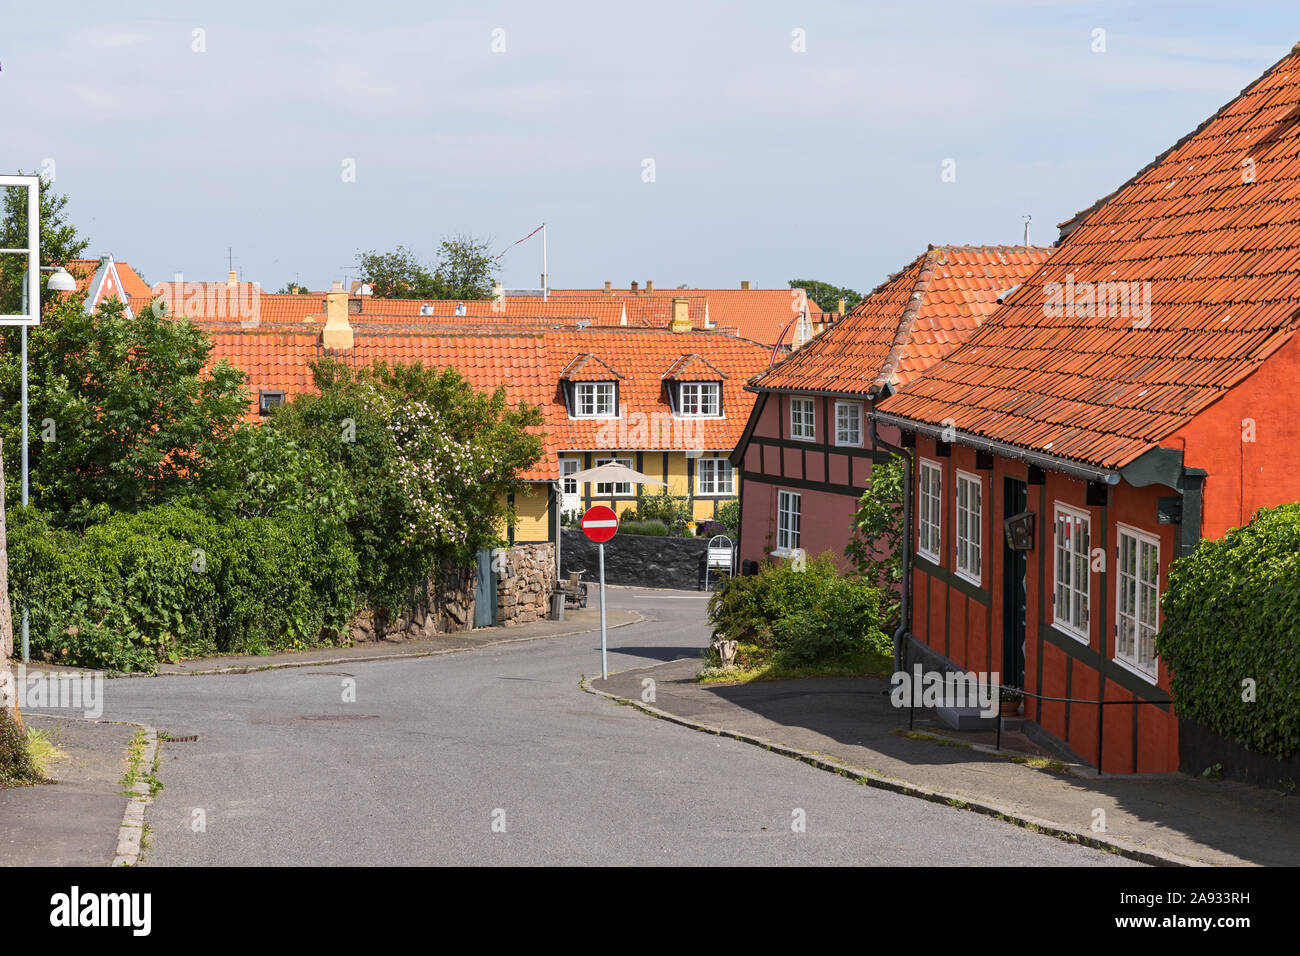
465, 268
293, 288
875, 550
398, 275
429, 460
123, 413
826, 295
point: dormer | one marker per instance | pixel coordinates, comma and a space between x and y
590, 387
694, 387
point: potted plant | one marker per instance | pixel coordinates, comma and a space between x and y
1012, 700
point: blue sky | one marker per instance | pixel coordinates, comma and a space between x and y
768, 163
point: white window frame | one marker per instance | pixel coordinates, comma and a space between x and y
708, 401
1068, 563
968, 537
789, 512
799, 434
929, 510
856, 408
595, 390
565, 480
712, 488
613, 489
1140, 607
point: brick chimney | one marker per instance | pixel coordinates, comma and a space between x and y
634, 287
337, 333
609, 286
649, 285
744, 285
681, 315
232, 279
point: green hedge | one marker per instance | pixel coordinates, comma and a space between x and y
811, 616
1231, 612
171, 582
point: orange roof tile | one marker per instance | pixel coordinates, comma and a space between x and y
908, 322
694, 368
1200, 253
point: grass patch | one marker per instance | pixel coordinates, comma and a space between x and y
17, 767
135, 769
931, 738
1042, 763
753, 665
42, 749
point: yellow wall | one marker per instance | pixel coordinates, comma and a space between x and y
652, 463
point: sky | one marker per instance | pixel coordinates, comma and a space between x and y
687, 143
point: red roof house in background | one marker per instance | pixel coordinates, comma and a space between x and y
1136, 393
807, 451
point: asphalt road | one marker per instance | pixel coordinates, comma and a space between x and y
435, 751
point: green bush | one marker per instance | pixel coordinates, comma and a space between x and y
1231, 613
729, 515
170, 582
656, 528
809, 616
673, 510
16, 764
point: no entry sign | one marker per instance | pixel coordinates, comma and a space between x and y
600, 523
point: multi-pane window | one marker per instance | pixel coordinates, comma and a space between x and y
567, 467
1073, 546
787, 521
620, 489
970, 516
713, 476
595, 400
803, 419
1137, 608
929, 508
701, 399
848, 423
267, 402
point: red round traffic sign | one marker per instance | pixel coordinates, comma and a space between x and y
600, 523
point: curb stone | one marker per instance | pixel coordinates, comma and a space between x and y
395, 656
131, 833
872, 778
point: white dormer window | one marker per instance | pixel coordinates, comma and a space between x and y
701, 399
595, 400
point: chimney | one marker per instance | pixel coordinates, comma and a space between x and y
337, 333
609, 286
232, 279
841, 310
649, 285
744, 285
293, 290
681, 315
498, 290
634, 287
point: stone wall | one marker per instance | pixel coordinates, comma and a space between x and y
445, 603
637, 559
525, 580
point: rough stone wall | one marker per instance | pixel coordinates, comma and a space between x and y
638, 559
525, 582
444, 604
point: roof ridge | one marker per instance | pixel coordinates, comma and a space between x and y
907, 321
1080, 217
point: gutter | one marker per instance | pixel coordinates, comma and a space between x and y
1040, 459
905, 602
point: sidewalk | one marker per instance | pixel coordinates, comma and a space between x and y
848, 724
75, 821
580, 621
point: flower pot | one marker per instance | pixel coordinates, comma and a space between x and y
1010, 708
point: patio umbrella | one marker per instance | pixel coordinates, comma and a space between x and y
615, 473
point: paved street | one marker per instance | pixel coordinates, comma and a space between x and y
435, 749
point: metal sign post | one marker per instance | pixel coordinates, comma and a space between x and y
600, 524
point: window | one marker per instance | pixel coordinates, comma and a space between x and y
713, 476
848, 423
1138, 603
803, 419
701, 399
267, 401
787, 521
970, 515
929, 504
596, 400
1073, 584
614, 489
567, 467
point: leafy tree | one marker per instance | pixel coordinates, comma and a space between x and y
123, 413
465, 268
429, 460
398, 275
875, 550
293, 288
826, 295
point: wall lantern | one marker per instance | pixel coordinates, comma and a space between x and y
1020, 531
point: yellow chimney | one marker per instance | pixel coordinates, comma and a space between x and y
649, 285
608, 285
232, 279
681, 315
337, 333
744, 285
841, 309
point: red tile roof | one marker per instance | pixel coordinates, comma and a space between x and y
1210, 230
529, 364
694, 368
909, 322
587, 368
